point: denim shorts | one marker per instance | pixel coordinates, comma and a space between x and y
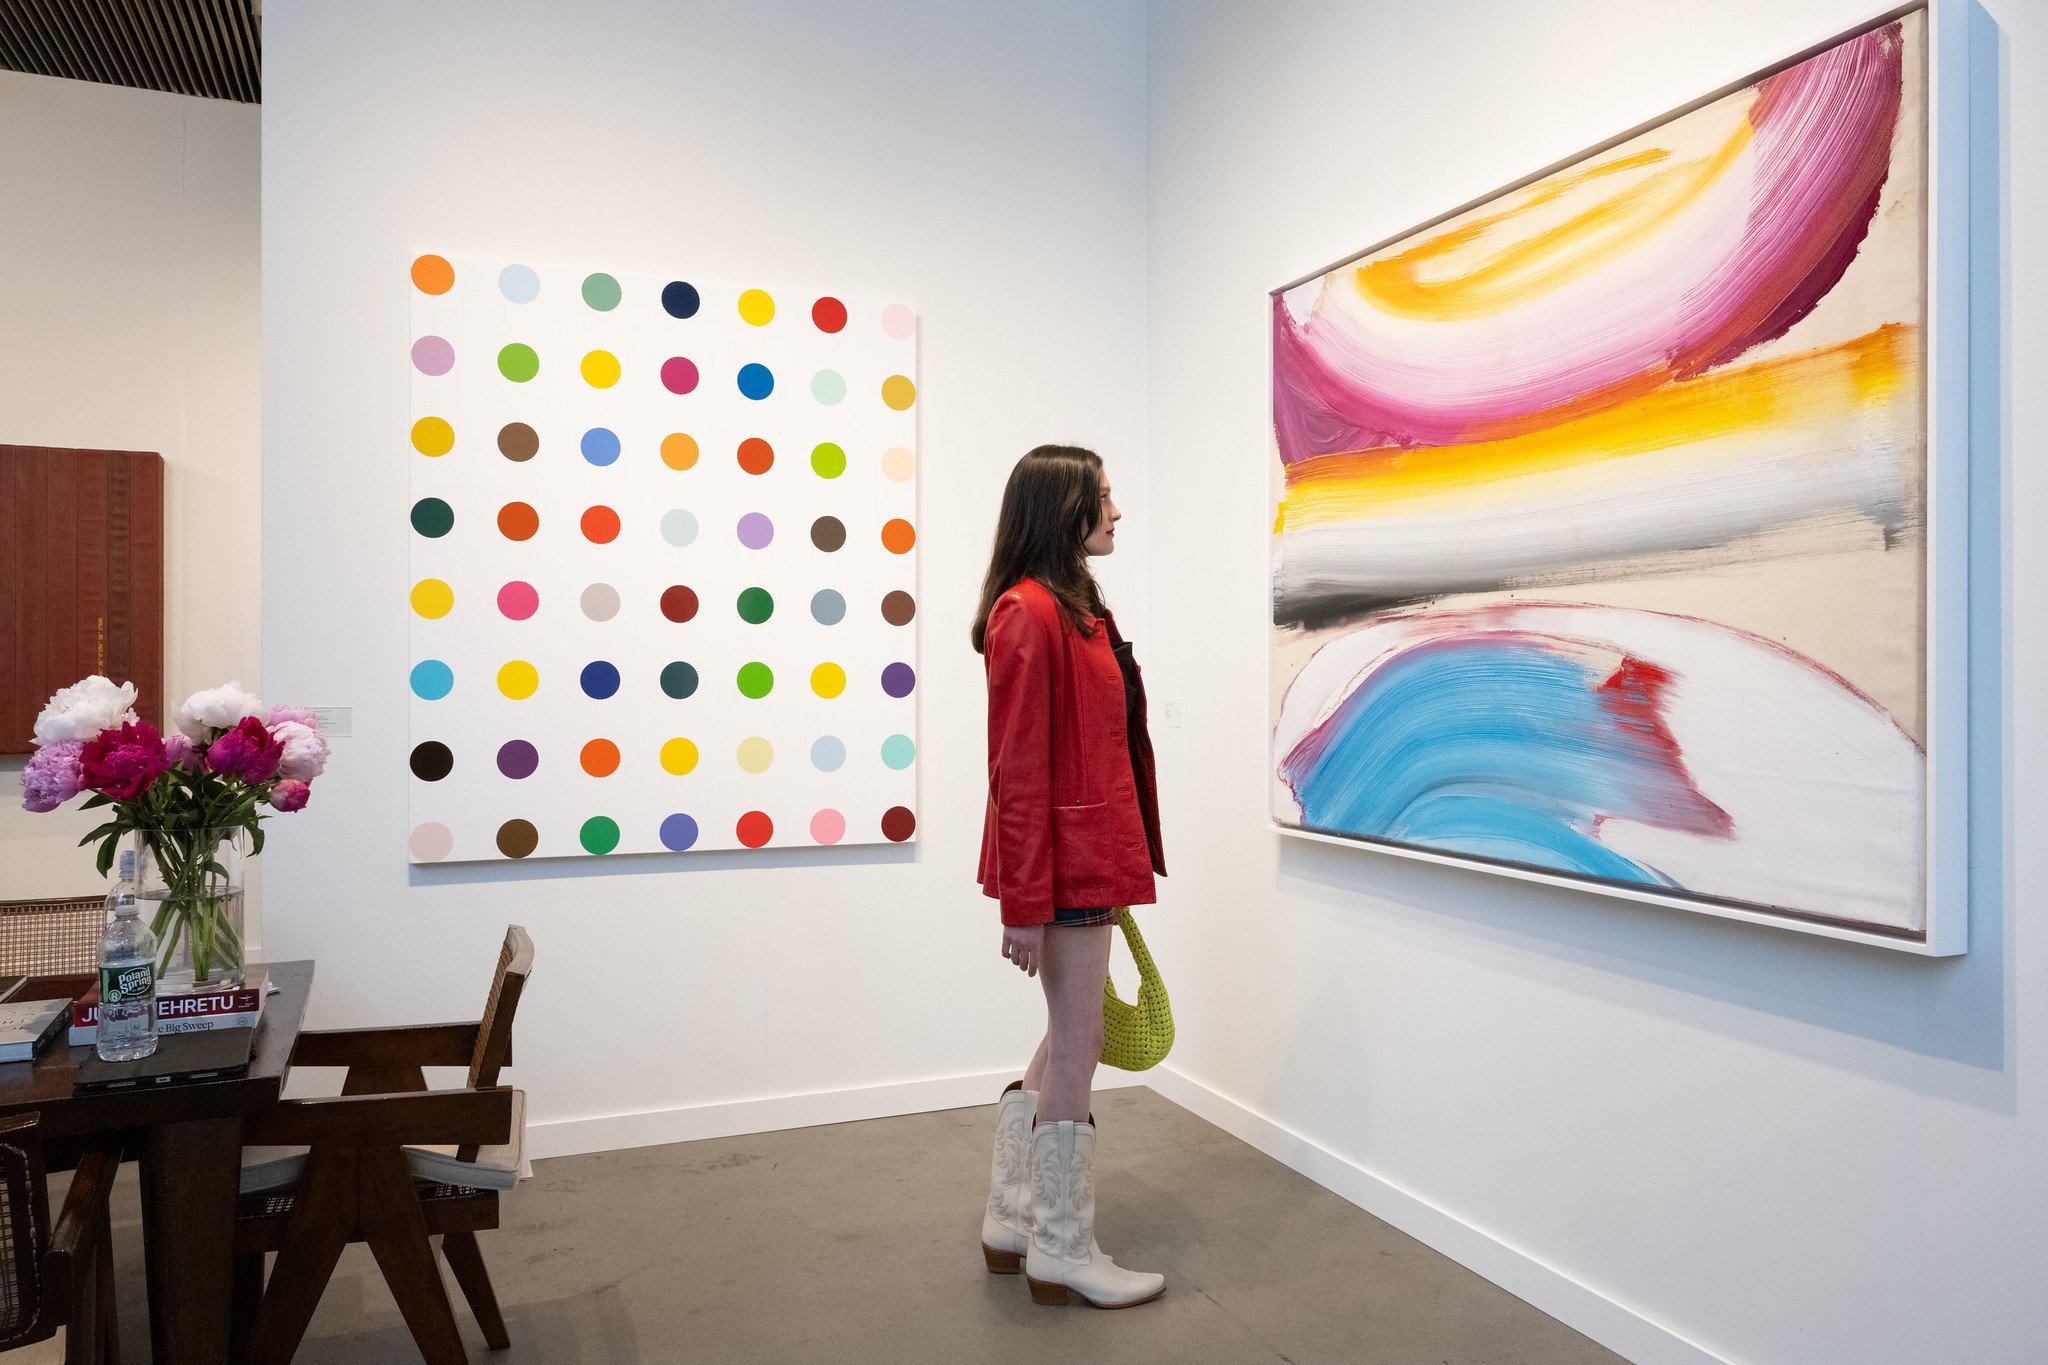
1083, 919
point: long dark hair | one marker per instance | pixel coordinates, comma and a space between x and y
1052, 504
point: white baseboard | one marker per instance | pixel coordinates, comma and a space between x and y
611, 1132
1579, 1306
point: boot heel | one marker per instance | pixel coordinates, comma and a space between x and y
1051, 1295
1001, 1262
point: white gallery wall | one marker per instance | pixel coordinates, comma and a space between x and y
1692, 1138
984, 164
129, 321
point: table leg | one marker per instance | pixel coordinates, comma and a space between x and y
190, 1178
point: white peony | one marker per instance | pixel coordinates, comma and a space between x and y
305, 752
203, 714
85, 708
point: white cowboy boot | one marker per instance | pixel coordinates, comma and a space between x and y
1005, 1226
1063, 1254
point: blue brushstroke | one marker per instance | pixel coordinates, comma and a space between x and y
1493, 745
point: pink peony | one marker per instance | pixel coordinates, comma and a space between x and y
52, 776
297, 715
305, 752
123, 763
291, 794
179, 750
247, 751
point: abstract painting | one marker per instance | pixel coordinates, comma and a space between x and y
1601, 545
663, 571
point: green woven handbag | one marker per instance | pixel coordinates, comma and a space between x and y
1138, 1036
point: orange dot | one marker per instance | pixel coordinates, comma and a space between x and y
756, 455
518, 521
600, 525
898, 536
678, 451
600, 758
433, 275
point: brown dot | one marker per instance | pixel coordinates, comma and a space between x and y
678, 603
898, 608
828, 533
518, 441
898, 824
517, 838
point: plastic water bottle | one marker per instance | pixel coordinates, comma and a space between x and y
127, 975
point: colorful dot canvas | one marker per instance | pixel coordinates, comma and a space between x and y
663, 588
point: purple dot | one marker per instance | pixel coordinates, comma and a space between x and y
756, 531
517, 759
433, 355
678, 832
678, 375
898, 679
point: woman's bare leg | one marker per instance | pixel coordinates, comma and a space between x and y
1034, 1075
1076, 964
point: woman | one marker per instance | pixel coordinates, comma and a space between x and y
1072, 835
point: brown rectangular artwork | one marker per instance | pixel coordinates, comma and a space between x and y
81, 578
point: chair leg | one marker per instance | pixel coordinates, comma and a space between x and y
467, 1261
323, 1215
248, 1299
396, 1230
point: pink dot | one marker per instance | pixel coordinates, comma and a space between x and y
898, 321
828, 827
678, 375
433, 355
518, 600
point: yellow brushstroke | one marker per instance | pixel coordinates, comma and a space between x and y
1821, 385
1424, 281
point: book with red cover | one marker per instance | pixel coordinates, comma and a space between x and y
182, 1012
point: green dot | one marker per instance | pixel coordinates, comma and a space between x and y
600, 834
756, 606
757, 680
828, 460
601, 292
518, 363
679, 680
432, 518
899, 751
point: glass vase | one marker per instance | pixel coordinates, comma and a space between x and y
190, 892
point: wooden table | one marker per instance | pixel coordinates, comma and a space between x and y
189, 1138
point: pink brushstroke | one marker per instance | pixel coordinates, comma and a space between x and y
1755, 256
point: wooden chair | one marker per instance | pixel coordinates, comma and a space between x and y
59, 937
357, 1168
61, 1278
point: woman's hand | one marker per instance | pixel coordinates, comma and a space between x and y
1024, 944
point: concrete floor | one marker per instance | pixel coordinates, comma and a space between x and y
857, 1242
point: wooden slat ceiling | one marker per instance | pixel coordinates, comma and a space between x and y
211, 48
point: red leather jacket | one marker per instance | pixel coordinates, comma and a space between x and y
1073, 806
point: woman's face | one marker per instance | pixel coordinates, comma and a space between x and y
1102, 540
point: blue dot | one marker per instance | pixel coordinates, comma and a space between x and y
601, 445
680, 299
899, 751
519, 284
827, 754
756, 382
679, 831
432, 680
600, 679
828, 608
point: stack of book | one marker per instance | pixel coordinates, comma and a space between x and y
184, 1012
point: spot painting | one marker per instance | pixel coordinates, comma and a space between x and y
1601, 551
663, 592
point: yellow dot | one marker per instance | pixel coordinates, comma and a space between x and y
433, 437
518, 680
898, 392
756, 307
828, 680
679, 756
600, 369
678, 451
432, 598
756, 754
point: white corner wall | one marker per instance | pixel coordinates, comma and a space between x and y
1692, 1138
985, 164
129, 321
